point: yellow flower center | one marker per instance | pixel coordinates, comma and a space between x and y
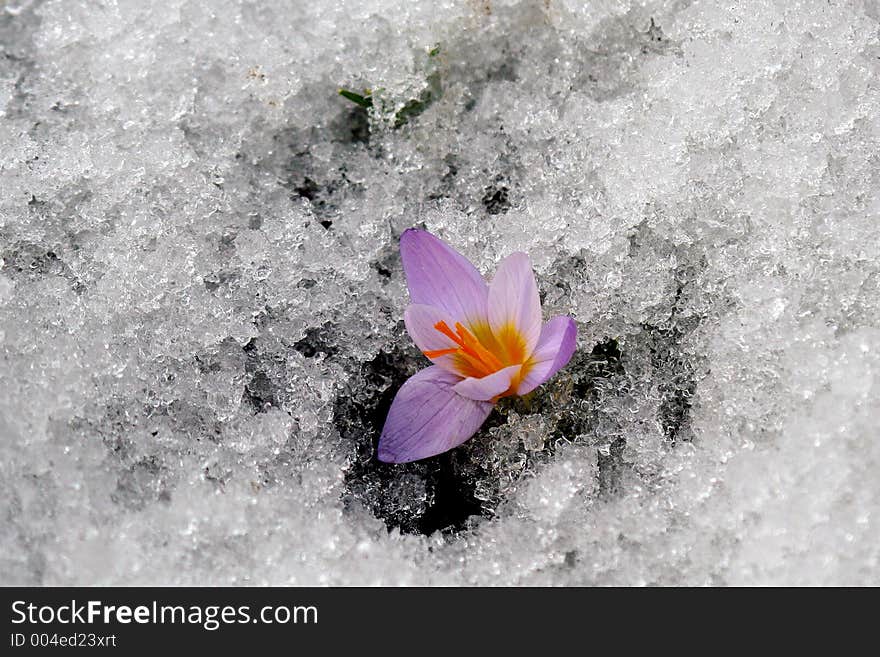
479, 351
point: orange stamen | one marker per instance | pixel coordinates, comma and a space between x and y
476, 359
480, 351
445, 330
436, 353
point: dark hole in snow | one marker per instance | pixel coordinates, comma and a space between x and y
352, 126
260, 391
388, 262
416, 498
678, 383
316, 341
308, 189
496, 200
28, 262
601, 363
655, 32
449, 492
214, 280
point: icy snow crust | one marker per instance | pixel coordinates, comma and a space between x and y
201, 295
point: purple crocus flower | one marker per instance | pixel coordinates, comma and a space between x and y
485, 340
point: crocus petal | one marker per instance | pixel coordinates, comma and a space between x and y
420, 321
439, 276
489, 386
514, 301
555, 348
428, 417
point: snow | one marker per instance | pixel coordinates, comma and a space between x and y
201, 298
